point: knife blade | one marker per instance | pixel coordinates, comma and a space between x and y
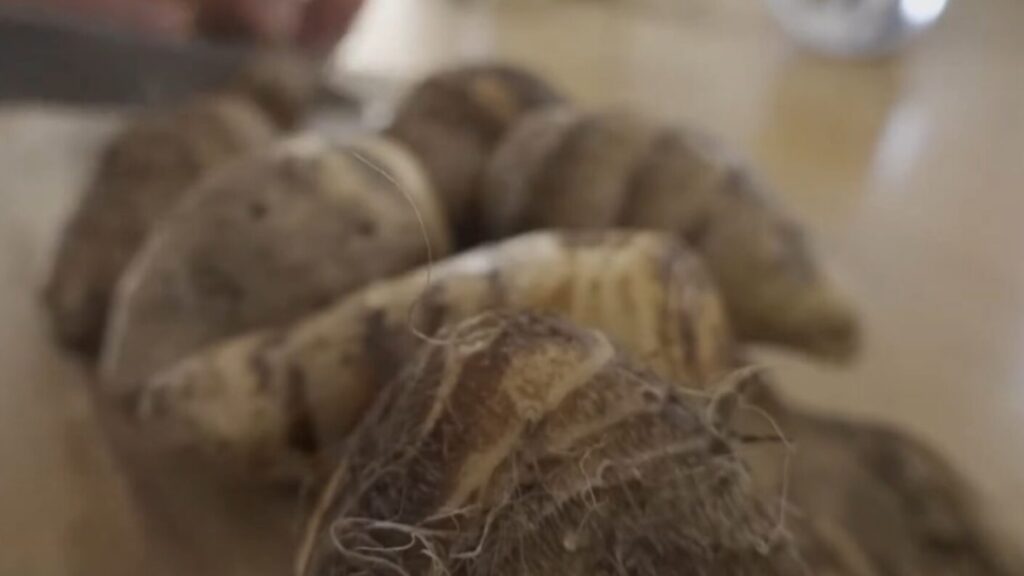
50, 57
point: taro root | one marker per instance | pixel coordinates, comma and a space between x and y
564, 169
143, 173
266, 241
276, 402
871, 500
525, 445
454, 119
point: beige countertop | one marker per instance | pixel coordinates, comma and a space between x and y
910, 171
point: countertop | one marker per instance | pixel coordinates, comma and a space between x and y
910, 172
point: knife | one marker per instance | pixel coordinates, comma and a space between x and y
47, 56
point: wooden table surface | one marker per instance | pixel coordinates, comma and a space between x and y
910, 171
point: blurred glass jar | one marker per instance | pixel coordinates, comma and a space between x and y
856, 28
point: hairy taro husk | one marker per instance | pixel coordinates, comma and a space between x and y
526, 445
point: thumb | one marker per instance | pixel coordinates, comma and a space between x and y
273, 21
325, 22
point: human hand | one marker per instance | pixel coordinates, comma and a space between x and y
311, 24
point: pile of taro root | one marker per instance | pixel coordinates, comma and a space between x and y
505, 335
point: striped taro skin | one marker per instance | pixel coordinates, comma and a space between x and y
561, 168
279, 400
527, 445
455, 118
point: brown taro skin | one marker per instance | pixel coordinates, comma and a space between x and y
147, 169
267, 241
455, 118
562, 168
870, 499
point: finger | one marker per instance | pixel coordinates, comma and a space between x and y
267, 21
325, 22
167, 18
